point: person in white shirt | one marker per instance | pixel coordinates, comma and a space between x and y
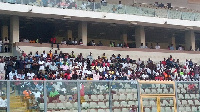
139, 61
42, 68
157, 46
30, 75
2, 69
6, 41
1, 44
44, 54
53, 67
63, 41
185, 77
11, 74
37, 95
120, 5
142, 46
180, 48
83, 6
41, 62
3, 103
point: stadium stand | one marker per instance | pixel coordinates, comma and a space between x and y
92, 56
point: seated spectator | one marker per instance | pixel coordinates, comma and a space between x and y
157, 46
63, 41
93, 43
180, 48
99, 44
44, 55
30, 74
111, 44
74, 42
142, 46
69, 42
171, 47
80, 42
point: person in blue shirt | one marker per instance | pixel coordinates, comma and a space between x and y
171, 47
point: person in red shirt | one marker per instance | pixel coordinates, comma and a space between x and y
53, 41
191, 88
164, 62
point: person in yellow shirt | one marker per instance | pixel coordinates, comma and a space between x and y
50, 54
89, 77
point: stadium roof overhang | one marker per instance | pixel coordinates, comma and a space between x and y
79, 15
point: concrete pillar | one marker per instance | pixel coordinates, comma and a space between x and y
4, 32
139, 36
82, 32
173, 41
189, 40
69, 34
124, 37
14, 29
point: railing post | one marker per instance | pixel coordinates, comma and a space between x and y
79, 96
125, 9
110, 96
8, 95
45, 96
94, 6
176, 96
138, 93
168, 14
199, 88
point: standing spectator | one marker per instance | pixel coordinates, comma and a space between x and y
120, 5
1, 44
6, 44
53, 41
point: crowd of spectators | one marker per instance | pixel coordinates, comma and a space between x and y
67, 66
